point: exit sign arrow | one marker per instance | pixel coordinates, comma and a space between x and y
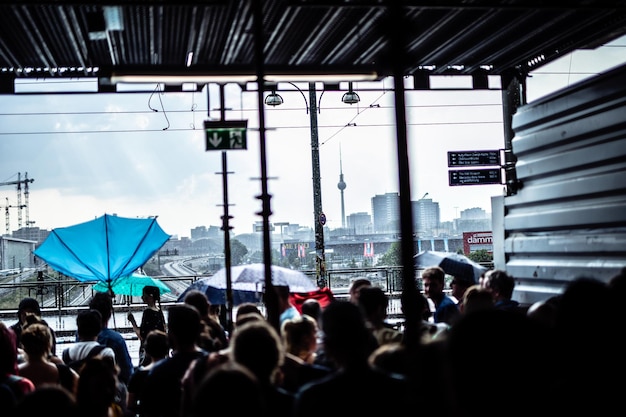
214, 140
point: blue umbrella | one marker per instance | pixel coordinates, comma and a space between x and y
131, 285
102, 249
452, 263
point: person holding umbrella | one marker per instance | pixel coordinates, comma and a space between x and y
151, 319
458, 286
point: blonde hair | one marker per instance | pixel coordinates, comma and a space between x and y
297, 332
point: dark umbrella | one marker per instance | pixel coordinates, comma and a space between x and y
452, 263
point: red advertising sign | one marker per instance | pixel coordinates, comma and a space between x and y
473, 241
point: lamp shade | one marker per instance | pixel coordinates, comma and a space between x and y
350, 98
273, 100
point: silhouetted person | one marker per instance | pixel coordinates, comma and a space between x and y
374, 302
501, 286
229, 389
446, 310
157, 347
28, 306
152, 317
345, 392
103, 302
355, 286
162, 393
500, 365
591, 346
257, 346
213, 337
12, 386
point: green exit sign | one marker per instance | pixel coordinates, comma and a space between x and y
222, 135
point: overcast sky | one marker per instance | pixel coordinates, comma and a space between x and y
143, 154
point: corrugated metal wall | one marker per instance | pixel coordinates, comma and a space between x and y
568, 219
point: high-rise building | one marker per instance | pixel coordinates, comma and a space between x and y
426, 217
474, 219
386, 213
360, 223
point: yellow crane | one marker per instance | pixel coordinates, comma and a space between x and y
19, 206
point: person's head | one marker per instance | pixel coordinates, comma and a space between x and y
151, 295
37, 403
373, 301
312, 308
102, 302
26, 306
88, 324
544, 311
248, 317
183, 326
433, 281
499, 283
299, 334
347, 339
476, 298
8, 350
355, 286
617, 284
32, 318
245, 308
257, 346
391, 358
199, 300
229, 382
157, 344
37, 340
459, 285
97, 386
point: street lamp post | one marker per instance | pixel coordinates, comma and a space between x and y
320, 217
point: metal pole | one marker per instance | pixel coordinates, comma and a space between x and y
270, 296
319, 216
225, 222
227, 255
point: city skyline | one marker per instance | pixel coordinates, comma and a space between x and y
143, 154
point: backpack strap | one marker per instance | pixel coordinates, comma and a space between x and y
95, 351
66, 355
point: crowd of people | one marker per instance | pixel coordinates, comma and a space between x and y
479, 353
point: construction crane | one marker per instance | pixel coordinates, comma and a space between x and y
19, 206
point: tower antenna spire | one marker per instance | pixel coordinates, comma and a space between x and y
342, 186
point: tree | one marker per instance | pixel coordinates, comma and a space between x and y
237, 252
393, 257
481, 255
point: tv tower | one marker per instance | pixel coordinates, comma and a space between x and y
342, 186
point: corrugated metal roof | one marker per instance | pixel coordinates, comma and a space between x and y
67, 38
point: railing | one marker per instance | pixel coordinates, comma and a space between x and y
69, 295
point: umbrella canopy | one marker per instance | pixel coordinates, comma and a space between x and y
102, 249
452, 263
131, 285
248, 282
